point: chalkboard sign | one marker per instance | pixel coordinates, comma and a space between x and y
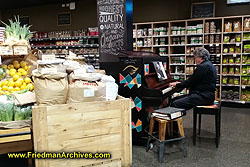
24, 20
111, 16
200, 10
64, 19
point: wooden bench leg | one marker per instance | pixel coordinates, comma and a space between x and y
150, 131
162, 130
180, 126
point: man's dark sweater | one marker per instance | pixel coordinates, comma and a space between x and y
203, 80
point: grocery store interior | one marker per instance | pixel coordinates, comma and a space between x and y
94, 76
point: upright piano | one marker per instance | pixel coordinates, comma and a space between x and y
139, 81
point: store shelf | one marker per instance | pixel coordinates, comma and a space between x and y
144, 46
177, 54
245, 86
185, 47
238, 32
217, 33
231, 64
231, 85
66, 38
66, 47
231, 54
145, 37
212, 44
163, 54
177, 35
160, 36
198, 44
235, 43
157, 46
177, 45
233, 75
194, 34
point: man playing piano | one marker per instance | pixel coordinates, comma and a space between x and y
201, 84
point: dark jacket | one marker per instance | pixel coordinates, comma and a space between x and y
203, 80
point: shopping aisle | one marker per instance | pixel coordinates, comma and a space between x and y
234, 147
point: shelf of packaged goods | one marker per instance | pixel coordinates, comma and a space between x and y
177, 64
244, 40
231, 54
212, 44
157, 46
144, 37
246, 31
63, 38
65, 47
177, 35
144, 46
216, 64
190, 64
177, 45
233, 75
177, 74
160, 36
245, 86
177, 54
217, 33
234, 43
231, 85
245, 53
195, 44
216, 54
231, 64
194, 34
163, 54
238, 32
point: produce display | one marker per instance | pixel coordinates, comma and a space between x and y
16, 78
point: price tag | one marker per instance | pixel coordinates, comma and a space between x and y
218, 55
243, 102
48, 57
6, 50
243, 87
88, 93
217, 44
20, 50
237, 44
234, 55
210, 44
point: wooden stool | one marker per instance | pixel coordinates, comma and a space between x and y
207, 110
162, 133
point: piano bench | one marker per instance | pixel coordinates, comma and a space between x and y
163, 123
207, 110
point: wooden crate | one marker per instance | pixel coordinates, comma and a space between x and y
85, 127
15, 143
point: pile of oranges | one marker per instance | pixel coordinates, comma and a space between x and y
18, 78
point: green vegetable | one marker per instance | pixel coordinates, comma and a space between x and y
2, 73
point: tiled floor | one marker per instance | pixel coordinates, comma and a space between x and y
234, 147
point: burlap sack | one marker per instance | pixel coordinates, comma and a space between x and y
84, 91
50, 88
